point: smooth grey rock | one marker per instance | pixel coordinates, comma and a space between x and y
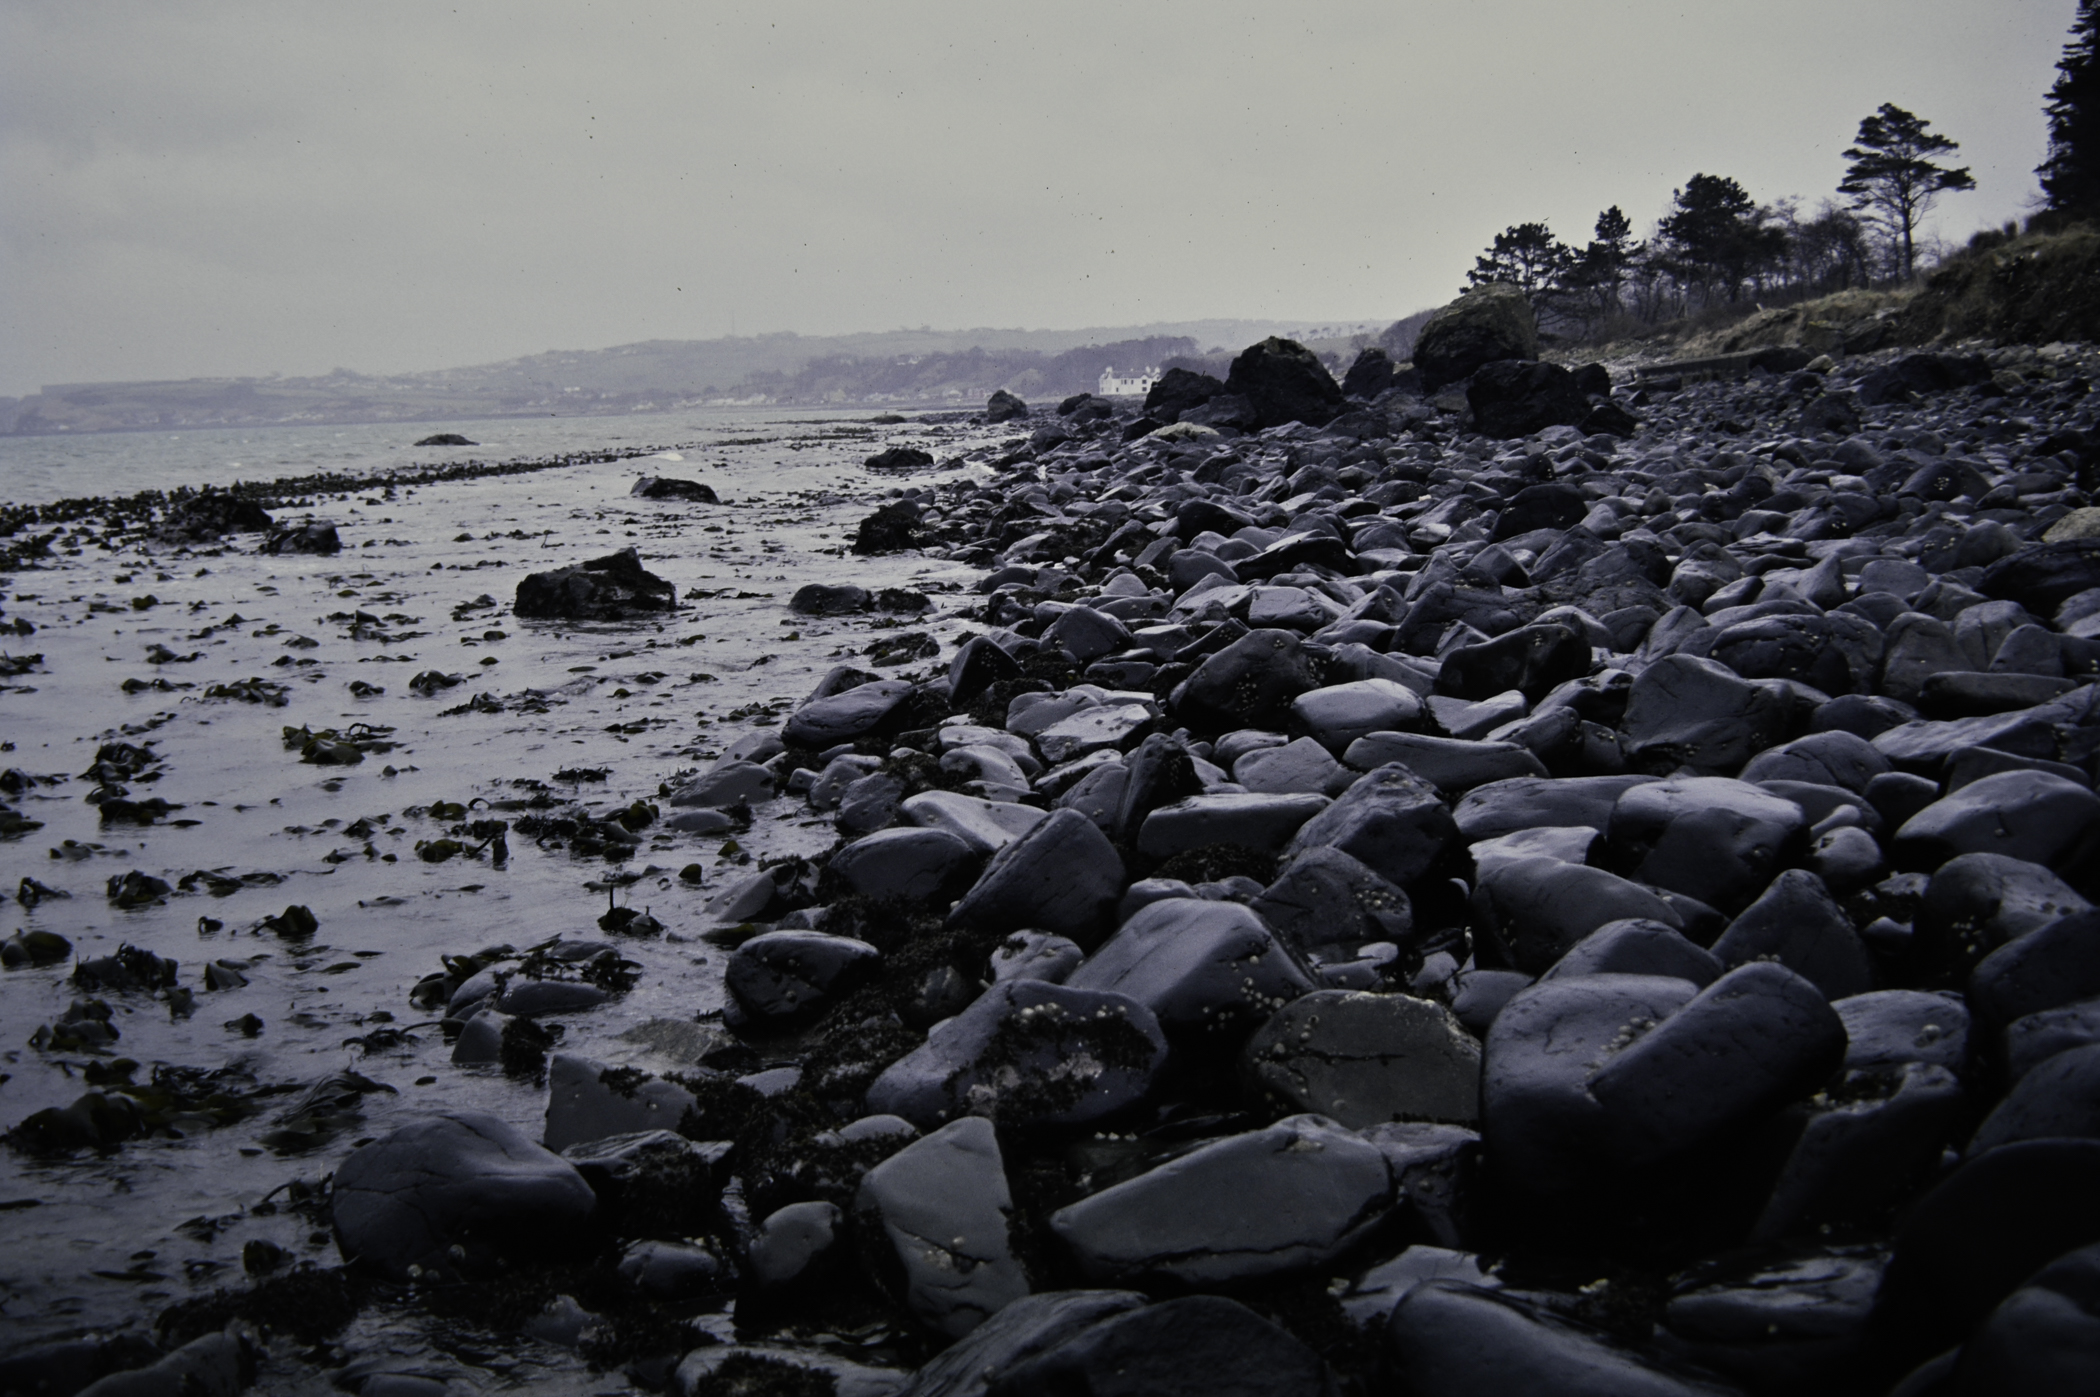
1636, 946
1325, 903
1826, 758
791, 1241
588, 1101
1101, 727
464, 1180
1714, 839
1363, 1059
842, 717
784, 977
1444, 762
1063, 876
908, 865
1290, 1197
1202, 967
1029, 1326
1028, 1053
1249, 820
1298, 767
987, 826
1522, 803
1194, 1346
1887, 1028
1390, 820
1454, 1339
2021, 814
1799, 924
1686, 711
1540, 908
727, 784
1036, 955
1339, 714
935, 1217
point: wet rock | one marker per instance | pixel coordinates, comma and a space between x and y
2040, 578
1486, 324
1976, 903
1979, 1234
674, 1270
1283, 381
602, 589
1363, 1059
1686, 711
1888, 1028
455, 1192
1100, 728
1779, 1319
1084, 634
1003, 406
446, 439
820, 599
2059, 1097
1340, 714
217, 1365
1248, 820
589, 1101
2043, 1339
1205, 969
1028, 1053
1326, 903
1390, 820
1717, 840
1453, 1339
784, 978
1842, 759
2045, 969
1299, 767
985, 825
909, 865
728, 784
1062, 876
1523, 803
1248, 684
1195, 1346
2027, 815
892, 528
1179, 390
1266, 1203
935, 1219
735, 1370
1863, 1149
793, 1243
1538, 909
666, 487
842, 717
1025, 1328
314, 536
899, 458
1449, 764
1797, 923
1516, 397
1638, 947
204, 517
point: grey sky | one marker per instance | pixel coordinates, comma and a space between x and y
225, 189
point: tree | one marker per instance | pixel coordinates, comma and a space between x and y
2071, 174
1528, 257
1893, 178
1599, 271
1717, 236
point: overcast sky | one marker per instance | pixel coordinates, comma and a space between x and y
198, 189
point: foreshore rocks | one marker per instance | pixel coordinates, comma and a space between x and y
1376, 905
602, 589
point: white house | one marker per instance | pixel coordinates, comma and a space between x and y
1135, 386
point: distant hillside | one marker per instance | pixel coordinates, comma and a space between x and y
897, 367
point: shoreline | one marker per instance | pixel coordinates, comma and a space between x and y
1187, 940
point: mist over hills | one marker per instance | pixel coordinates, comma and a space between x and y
905, 367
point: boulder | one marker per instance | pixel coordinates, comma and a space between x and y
1179, 390
1364, 1059
1249, 820
818, 599
1062, 876
1486, 324
987, 826
2041, 577
1516, 397
2043, 1340
1194, 1346
1029, 1326
588, 1101
1299, 767
2056, 965
784, 978
1390, 820
934, 1219
1636, 946
1283, 381
892, 528
1338, 714
1449, 764
602, 589
1267, 1203
1326, 903
899, 458
1027, 1053
1539, 909
2028, 815
1797, 923
403, 1203
664, 487
842, 717
1687, 711
1003, 406
1457, 1340
1205, 969
314, 536
905, 865
1532, 659
1248, 684
1707, 837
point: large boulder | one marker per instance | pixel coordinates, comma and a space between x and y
667, 487
1003, 406
203, 517
934, 1220
602, 589
1028, 1053
1266, 1203
1062, 876
1391, 820
1248, 684
463, 1181
1364, 1059
1283, 381
1180, 390
1516, 397
1204, 968
1486, 324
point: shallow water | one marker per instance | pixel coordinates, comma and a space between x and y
98, 1243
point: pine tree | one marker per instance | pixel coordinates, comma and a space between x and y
1528, 257
1600, 269
1893, 178
1718, 236
2071, 174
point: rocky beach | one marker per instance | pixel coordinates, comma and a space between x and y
1483, 876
